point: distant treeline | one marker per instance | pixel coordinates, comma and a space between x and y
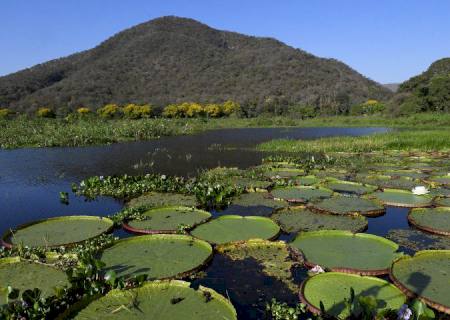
197, 110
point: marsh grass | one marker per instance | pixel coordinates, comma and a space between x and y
23, 131
423, 140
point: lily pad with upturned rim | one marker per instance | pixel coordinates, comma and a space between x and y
302, 219
436, 220
58, 231
425, 275
382, 181
343, 186
253, 199
160, 300
349, 205
443, 202
300, 194
306, 180
284, 173
231, 228
157, 199
23, 275
333, 288
348, 252
159, 256
441, 180
402, 198
166, 220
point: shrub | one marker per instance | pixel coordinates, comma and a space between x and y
170, 111
5, 113
213, 110
134, 111
109, 111
45, 113
83, 111
369, 107
229, 107
194, 110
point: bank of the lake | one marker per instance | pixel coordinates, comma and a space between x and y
41, 132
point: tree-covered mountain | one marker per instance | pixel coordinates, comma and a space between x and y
429, 91
172, 60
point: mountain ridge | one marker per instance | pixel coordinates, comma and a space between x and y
172, 59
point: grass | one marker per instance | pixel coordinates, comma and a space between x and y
423, 140
37, 132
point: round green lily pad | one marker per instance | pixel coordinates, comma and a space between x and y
23, 275
166, 220
344, 251
252, 199
160, 300
403, 198
440, 192
349, 187
443, 202
432, 220
441, 180
382, 181
332, 289
231, 228
300, 194
157, 199
306, 180
59, 231
284, 173
302, 219
349, 205
159, 256
426, 275
251, 184
414, 174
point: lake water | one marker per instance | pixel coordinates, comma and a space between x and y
31, 179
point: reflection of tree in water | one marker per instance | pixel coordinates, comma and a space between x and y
248, 287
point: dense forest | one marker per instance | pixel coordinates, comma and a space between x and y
174, 60
429, 91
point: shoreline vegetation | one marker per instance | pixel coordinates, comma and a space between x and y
430, 131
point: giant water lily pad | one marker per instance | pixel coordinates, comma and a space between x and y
166, 220
160, 300
251, 184
333, 288
301, 194
258, 199
416, 240
441, 180
158, 256
302, 219
414, 174
344, 251
443, 202
306, 180
157, 199
23, 275
435, 220
426, 275
349, 205
59, 231
230, 228
403, 198
383, 181
349, 187
284, 173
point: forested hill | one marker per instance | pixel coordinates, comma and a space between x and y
172, 60
429, 91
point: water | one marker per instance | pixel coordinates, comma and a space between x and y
31, 179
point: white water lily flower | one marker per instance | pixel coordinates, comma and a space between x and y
101, 178
163, 177
317, 269
420, 190
404, 313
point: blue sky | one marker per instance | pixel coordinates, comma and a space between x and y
386, 40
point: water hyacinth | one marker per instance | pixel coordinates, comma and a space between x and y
404, 313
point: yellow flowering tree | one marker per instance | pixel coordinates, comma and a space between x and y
109, 111
194, 110
170, 111
45, 113
134, 111
229, 107
83, 111
4, 113
213, 110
